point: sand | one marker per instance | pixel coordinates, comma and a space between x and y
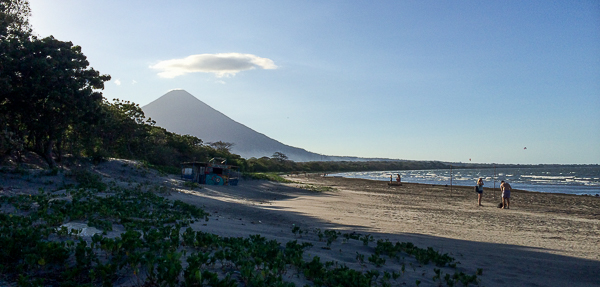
543, 240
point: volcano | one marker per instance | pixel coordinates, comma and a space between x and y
180, 112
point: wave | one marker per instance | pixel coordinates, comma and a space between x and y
572, 180
548, 176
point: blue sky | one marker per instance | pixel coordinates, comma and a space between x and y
419, 80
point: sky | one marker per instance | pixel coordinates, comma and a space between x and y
459, 81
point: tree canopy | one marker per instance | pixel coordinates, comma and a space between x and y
51, 88
46, 85
14, 17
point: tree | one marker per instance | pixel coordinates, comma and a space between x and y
117, 130
14, 29
50, 88
222, 146
278, 156
14, 16
45, 85
129, 126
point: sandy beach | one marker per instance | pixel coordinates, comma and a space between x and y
543, 240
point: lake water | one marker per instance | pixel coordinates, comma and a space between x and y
559, 179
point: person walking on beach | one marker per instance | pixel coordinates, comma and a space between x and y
398, 179
505, 188
479, 190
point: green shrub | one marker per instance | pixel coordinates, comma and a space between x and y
87, 179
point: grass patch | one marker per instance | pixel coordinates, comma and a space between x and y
271, 176
317, 188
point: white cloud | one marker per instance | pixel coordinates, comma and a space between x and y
222, 64
133, 82
117, 82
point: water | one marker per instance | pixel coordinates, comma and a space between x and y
558, 179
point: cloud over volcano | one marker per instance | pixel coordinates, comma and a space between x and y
222, 64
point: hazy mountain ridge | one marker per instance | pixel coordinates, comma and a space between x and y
180, 112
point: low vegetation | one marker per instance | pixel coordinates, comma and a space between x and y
265, 176
316, 188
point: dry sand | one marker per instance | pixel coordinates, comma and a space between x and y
543, 240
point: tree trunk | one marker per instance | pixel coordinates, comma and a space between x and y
47, 154
59, 151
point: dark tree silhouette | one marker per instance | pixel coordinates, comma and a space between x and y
278, 156
221, 146
14, 17
50, 87
14, 29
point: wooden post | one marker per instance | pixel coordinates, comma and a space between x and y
494, 190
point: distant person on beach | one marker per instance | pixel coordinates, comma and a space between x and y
479, 190
398, 179
505, 188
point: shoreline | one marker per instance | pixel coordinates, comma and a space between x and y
566, 179
468, 186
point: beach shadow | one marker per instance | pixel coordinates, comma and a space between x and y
257, 190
